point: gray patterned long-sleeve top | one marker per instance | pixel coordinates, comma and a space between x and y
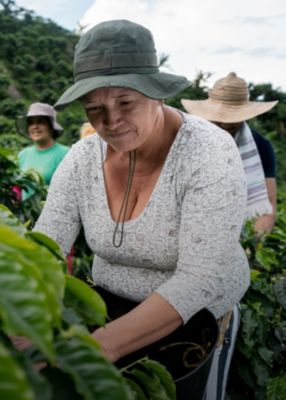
185, 243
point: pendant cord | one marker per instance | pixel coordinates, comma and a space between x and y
124, 205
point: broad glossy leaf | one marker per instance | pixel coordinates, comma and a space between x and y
86, 301
151, 383
48, 242
40, 263
25, 303
164, 375
136, 390
93, 375
41, 388
13, 382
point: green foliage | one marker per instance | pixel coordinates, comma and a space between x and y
11, 177
197, 90
35, 65
275, 119
148, 379
16, 385
276, 388
85, 301
261, 346
94, 376
40, 302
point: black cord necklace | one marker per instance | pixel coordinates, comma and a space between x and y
119, 227
124, 204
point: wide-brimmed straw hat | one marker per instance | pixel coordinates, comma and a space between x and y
119, 53
40, 110
228, 102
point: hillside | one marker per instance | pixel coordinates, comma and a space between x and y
36, 58
35, 64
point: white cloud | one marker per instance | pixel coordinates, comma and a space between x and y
218, 36
64, 12
210, 35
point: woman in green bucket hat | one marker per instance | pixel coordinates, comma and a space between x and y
161, 194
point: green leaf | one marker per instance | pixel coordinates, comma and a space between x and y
246, 372
62, 384
151, 383
261, 371
86, 301
136, 390
42, 265
254, 275
265, 256
163, 374
276, 388
7, 218
93, 375
25, 299
280, 291
266, 355
41, 388
249, 324
280, 332
13, 382
48, 242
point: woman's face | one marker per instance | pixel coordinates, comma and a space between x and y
39, 129
124, 118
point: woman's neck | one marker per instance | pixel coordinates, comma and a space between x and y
153, 153
45, 145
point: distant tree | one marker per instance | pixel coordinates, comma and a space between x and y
10, 7
197, 90
275, 119
163, 60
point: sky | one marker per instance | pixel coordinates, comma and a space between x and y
212, 36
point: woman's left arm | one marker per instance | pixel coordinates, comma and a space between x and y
151, 320
212, 269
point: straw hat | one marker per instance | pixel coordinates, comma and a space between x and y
228, 102
119, 53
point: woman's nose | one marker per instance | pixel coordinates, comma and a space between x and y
112, 118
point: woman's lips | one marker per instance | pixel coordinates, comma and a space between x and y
118, 134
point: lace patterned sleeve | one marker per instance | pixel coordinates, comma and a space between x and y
212, 270
60, 216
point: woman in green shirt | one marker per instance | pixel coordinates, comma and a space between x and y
45, 154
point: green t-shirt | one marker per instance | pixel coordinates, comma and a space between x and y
44, 161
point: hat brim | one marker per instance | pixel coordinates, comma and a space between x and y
156, 86
226, 113
22, 125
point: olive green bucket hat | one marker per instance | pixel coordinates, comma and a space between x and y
119, 53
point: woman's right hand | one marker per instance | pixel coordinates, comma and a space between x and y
20, 342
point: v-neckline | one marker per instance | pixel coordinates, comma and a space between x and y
157, 185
